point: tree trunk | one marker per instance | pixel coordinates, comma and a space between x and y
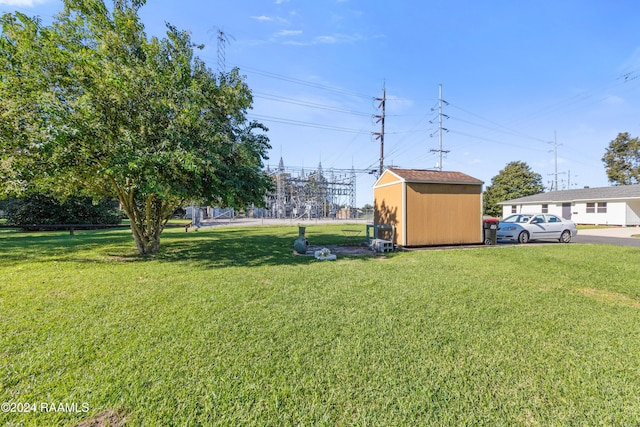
147, 219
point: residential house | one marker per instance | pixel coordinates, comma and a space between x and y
617, 205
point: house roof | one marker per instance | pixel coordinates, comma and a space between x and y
431, 176
583, 194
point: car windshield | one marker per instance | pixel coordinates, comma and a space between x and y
517, 218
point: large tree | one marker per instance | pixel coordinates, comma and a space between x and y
514, 181
622, 160
90, 105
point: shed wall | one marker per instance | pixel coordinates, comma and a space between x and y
443, 214
387, 178
388, 208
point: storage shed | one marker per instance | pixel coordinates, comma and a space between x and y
429, 207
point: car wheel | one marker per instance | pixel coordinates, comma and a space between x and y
523, 237
565, 237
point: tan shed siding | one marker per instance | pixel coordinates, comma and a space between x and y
387, 178
388, 208
443, 214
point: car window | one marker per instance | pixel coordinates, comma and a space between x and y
538, 219
512, 218
521, 219
553, 218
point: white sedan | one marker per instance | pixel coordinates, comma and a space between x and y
525, 227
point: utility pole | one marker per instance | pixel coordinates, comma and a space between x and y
555, 150
440, 128
554, 185
380, 119
569, 179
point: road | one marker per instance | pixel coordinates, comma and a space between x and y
612, 236
605, 236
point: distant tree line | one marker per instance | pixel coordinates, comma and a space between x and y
44, 209
622, 160
514, 181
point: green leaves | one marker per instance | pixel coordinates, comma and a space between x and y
622, 160
91, 103
514, 181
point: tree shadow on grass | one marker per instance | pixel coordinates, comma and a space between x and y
220, 247
247, 246
18, 246
231, 248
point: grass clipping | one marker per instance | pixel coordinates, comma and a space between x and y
610, 297
108, 418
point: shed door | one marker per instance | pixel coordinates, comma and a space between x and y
566, 210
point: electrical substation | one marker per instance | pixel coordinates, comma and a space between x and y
301, 193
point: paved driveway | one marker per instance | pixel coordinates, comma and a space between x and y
612, 236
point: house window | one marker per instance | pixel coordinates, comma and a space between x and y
514, 209
545, 208
599, 207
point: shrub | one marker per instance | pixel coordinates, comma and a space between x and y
45, 209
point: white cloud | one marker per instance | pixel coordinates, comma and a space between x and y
319, 40
397, 105
288, 33
337, 38
260, 18
614, 100
22, 3
265, 18
326, 39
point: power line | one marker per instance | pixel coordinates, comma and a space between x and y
306, 124
498, 125
294, 101
303, 82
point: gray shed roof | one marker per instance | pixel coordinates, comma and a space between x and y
433, 176
619, 192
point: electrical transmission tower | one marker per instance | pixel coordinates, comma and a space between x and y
352, 192
223, 39
440, 128
380, 119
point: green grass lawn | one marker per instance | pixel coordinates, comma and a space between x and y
227, 327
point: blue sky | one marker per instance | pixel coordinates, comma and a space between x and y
512, 74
